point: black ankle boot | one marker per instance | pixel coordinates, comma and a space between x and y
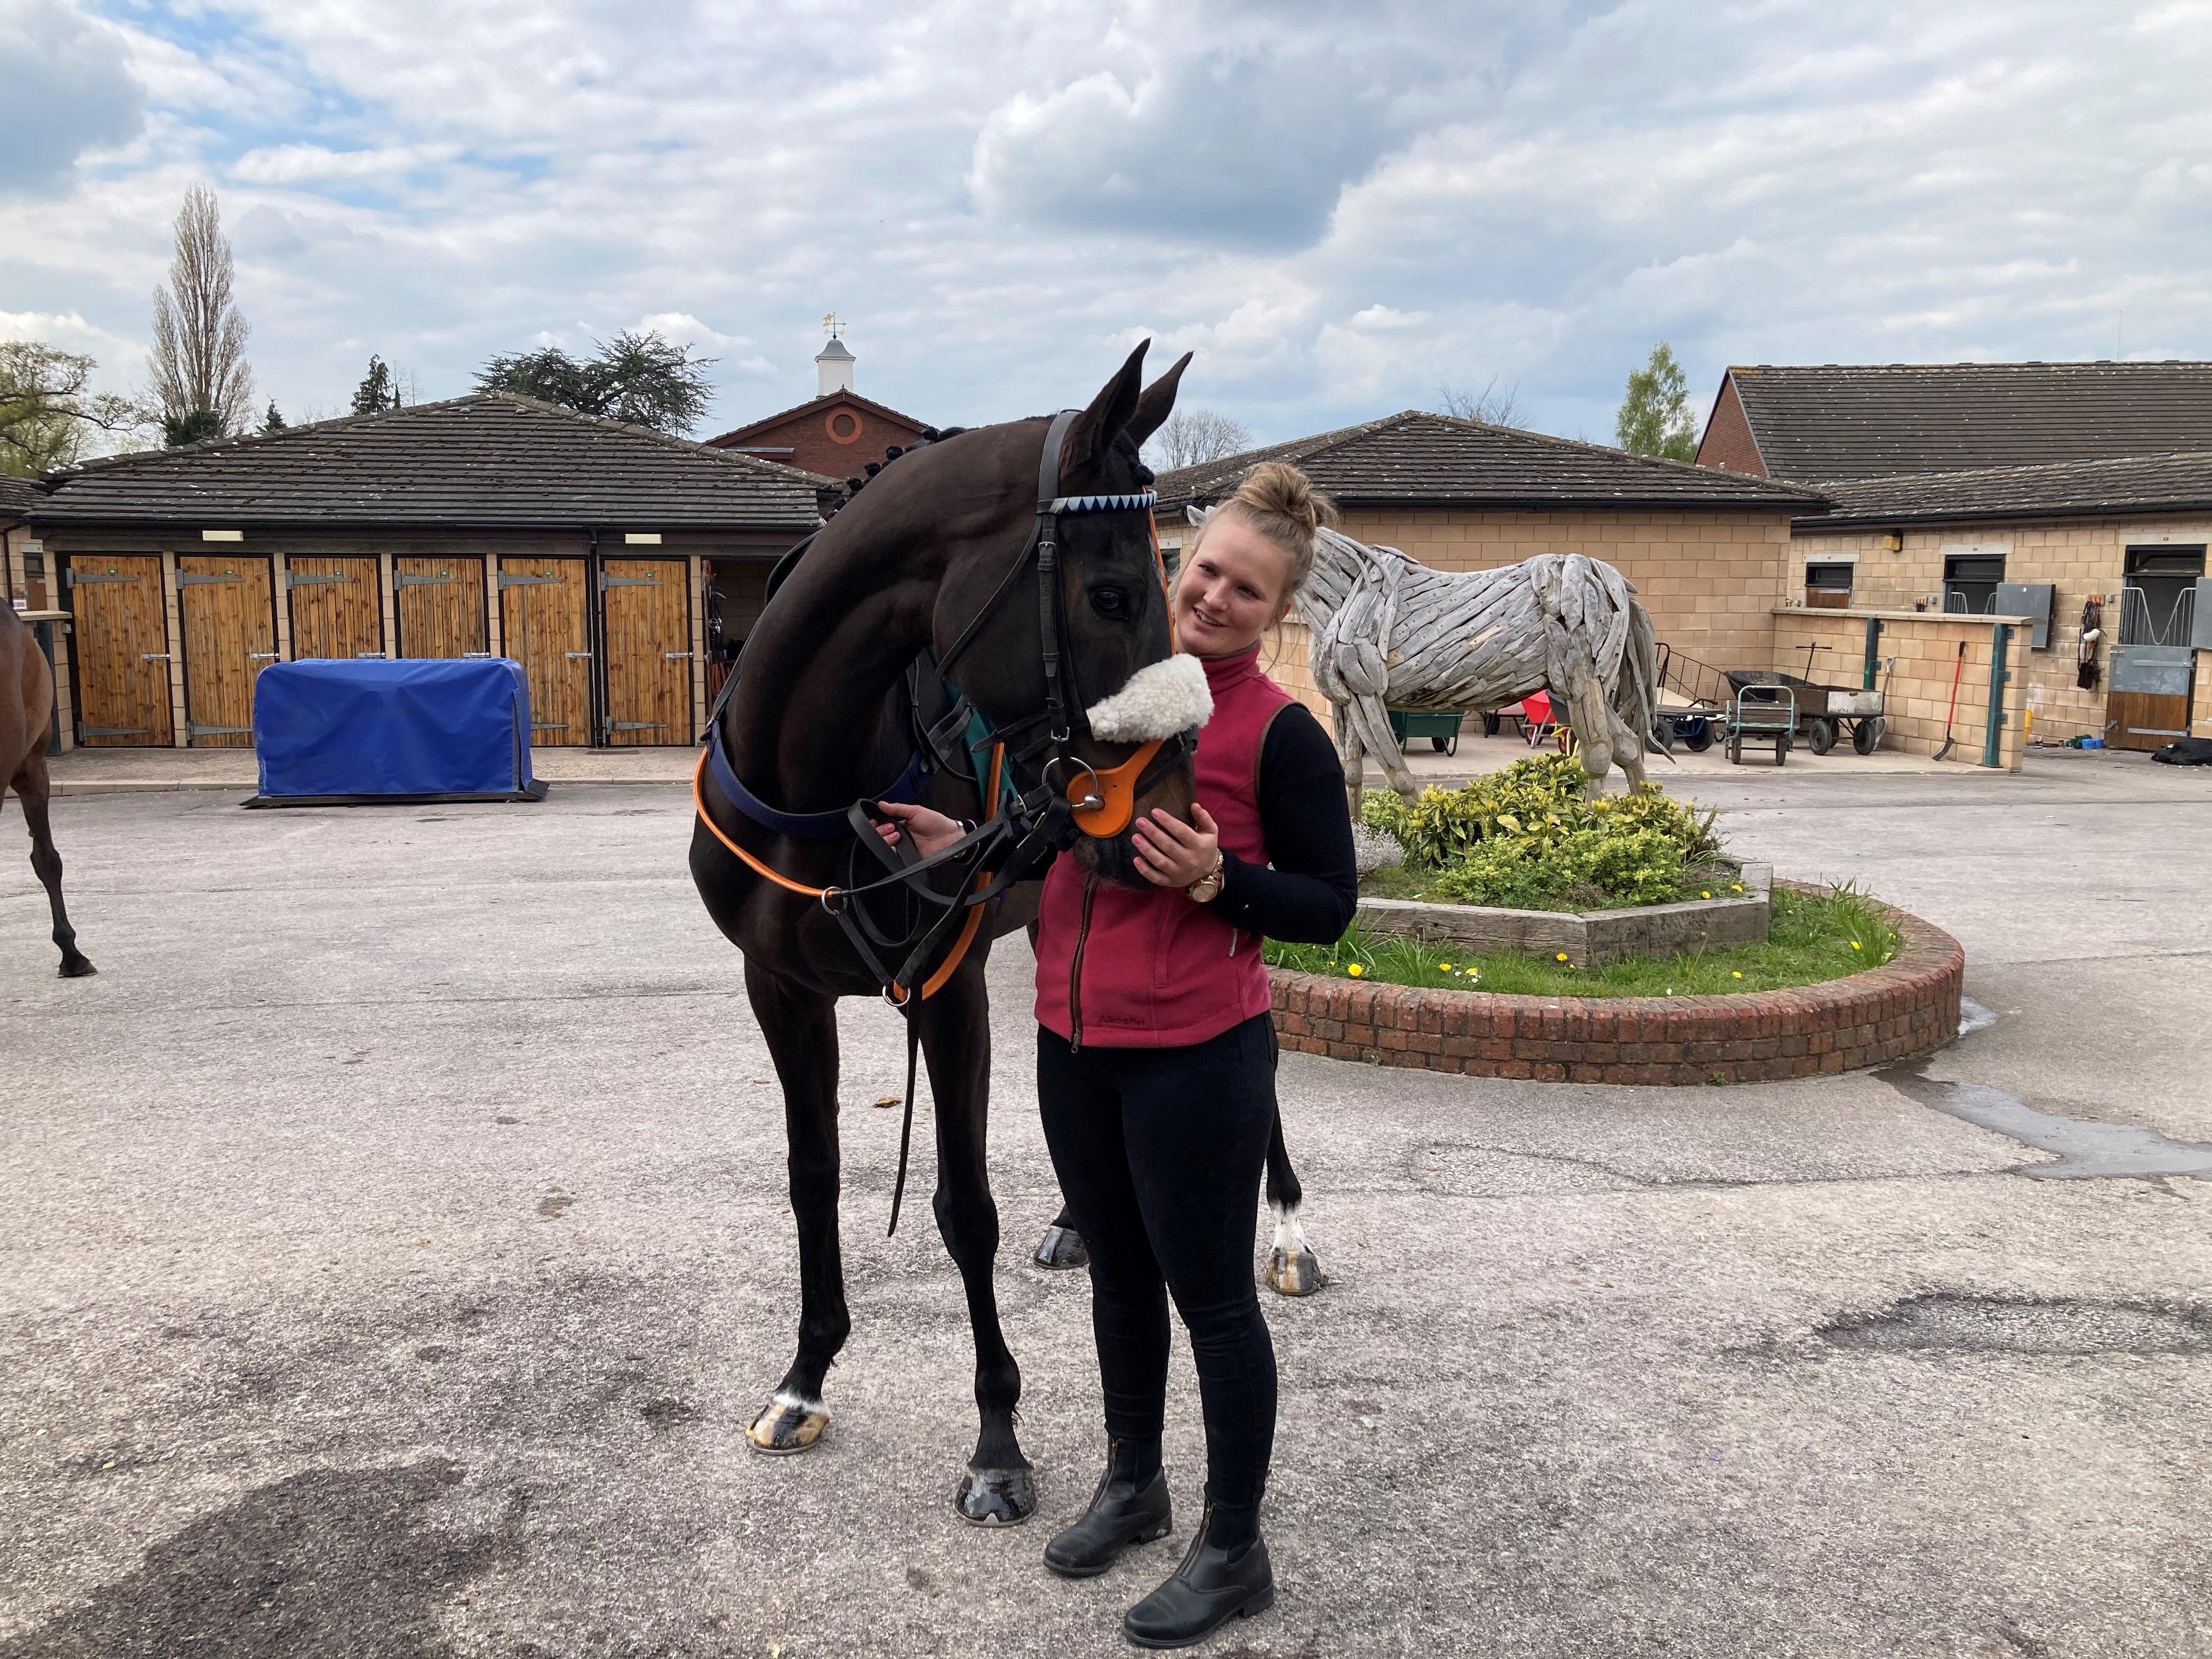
1215, 1582
1130, 1507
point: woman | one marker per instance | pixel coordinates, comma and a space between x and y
1156, 1064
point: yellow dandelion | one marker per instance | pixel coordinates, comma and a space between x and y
1355, 970
1445, 966
1705, 895
1562, 955
1738, 886
1735, 976
1855, 944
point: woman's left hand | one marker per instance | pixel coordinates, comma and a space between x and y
1173, 854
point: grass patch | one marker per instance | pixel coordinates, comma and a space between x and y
1811, 939
1412, 881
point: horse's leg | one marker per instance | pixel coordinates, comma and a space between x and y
997, 1490
1062, 1244
32, 788
800, 1027
1293, 1269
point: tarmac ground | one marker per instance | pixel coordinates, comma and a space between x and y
396, 1249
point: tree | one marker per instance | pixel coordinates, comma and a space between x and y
642, 378
273, 421
1655, 416
1494, 405
1194, 436
377, 392
199, 339
47, 417
178, 430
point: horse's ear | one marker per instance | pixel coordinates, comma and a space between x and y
1094, 430
1157, 403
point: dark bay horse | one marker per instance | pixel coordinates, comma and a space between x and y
27, 702
820, 718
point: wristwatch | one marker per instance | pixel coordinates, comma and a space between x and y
1208, 887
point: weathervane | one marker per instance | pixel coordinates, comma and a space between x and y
830, 325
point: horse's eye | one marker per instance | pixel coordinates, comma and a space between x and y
1111, 603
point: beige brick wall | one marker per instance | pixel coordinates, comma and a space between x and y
1926, 647
2080, 559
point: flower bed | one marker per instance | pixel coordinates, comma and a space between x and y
1906, 1006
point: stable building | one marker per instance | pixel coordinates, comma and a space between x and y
610, 561
2116, 547
1709, 551
837, 434
1814, 423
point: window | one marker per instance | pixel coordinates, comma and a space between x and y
1970, 581
1828, 587
2158, 593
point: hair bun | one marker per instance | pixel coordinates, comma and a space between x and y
1276, 489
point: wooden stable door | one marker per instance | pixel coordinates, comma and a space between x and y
229, 620
438, 605
544, 617
337, 610
2144, 719
119, 640
645, 633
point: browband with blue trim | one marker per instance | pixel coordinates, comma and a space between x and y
1136, 503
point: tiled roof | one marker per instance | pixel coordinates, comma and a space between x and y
493, 459
808, 407
16, 495
1882, 419
2126, 488
1419, 459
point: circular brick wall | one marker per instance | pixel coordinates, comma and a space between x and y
1904, 1007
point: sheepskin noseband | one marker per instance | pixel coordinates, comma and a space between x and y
1160, 700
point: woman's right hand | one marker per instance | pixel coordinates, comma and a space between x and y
931, 830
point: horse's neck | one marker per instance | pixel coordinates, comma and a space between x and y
805, 728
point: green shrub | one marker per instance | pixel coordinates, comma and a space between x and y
1530, 834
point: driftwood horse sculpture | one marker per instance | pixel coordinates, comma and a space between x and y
1023, 555
26, 701
1390, 633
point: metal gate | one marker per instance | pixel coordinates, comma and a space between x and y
545, 623
229, 620
337, 610
645, 633
439, 607
120, 651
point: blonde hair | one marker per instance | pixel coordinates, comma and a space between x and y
1280, 503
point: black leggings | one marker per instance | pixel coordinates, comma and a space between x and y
1159, 1152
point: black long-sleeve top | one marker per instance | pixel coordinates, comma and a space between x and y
1309, 889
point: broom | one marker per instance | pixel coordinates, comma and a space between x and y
1956, 669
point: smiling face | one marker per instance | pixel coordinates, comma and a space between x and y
1234, 587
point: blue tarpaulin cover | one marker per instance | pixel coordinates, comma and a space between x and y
370, 728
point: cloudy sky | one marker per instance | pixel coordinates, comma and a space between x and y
1340, 207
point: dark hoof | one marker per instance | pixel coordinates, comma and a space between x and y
1062, 1247
995, 1497
787, 1426
77, 968
1290, 1274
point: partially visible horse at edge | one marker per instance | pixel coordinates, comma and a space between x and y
26, 701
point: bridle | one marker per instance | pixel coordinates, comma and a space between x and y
1105, 805
1021, 825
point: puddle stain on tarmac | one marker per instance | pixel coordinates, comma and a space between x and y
1947, 1323
2085, 1149
333, 1561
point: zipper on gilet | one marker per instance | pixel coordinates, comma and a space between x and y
1075, 967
